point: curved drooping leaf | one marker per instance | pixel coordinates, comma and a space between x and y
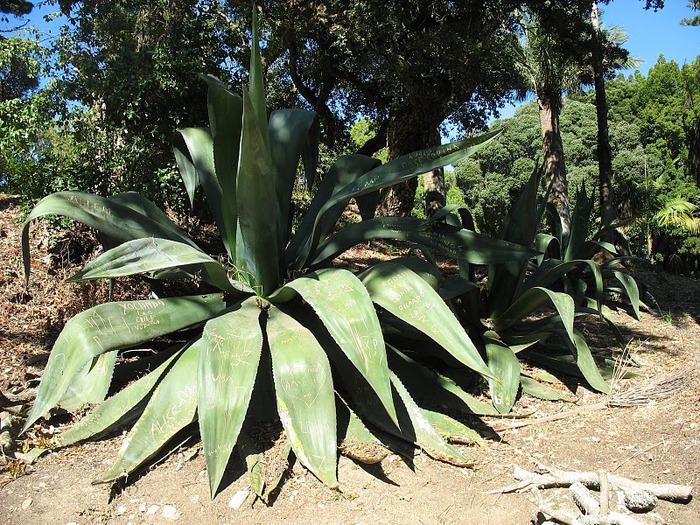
346, 310
405, 295
91, 384
344, 171
451, 429
429, 386
542, 391
144, 207
531, 301
119, 222
425, 435
293, 134
149, 255
228, 364
452, 241
194, 154
258, 238
505, 366
546, 276
226, 121
118, 409
114, 326
171, 408
586, 363
631, 289
304, 392
393, 172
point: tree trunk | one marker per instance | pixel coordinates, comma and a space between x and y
607, 206
434, 184
555, 168
407, 132
693, 138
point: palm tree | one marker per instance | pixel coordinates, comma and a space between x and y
607, 55
548, 71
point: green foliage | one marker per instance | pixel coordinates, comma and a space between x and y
263, 346
529, 302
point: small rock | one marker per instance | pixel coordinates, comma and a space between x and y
71, 523
142, 507
152, 509
170, 512
321, 506
26, 503
238, 499
121, 509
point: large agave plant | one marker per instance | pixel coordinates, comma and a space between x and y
266, 345
529, 302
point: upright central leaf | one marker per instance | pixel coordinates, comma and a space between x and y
257, 247
225, 114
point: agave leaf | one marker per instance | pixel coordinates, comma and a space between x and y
257, 248
426, 437
225, 119
505, 366
405, 295
586, 363
451, 429
532, 300
91, 384
546, 276
631, 289
424, 269
293, 133
118, 221
113, 326
541, 391
431, 387
256, 87
344, 171
171, 408
346, 310
194, 153
393, 172
118, 409
228, 364
545, 243
149, 255
304, 391
579, 225
141, 205
452, 241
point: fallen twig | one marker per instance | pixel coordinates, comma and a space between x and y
552, 478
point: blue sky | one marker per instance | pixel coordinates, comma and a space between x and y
653, 33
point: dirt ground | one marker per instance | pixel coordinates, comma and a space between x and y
657, 442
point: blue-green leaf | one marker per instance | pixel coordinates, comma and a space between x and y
304, 391
228, 364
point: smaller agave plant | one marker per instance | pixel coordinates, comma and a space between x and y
529, 302
284, 338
